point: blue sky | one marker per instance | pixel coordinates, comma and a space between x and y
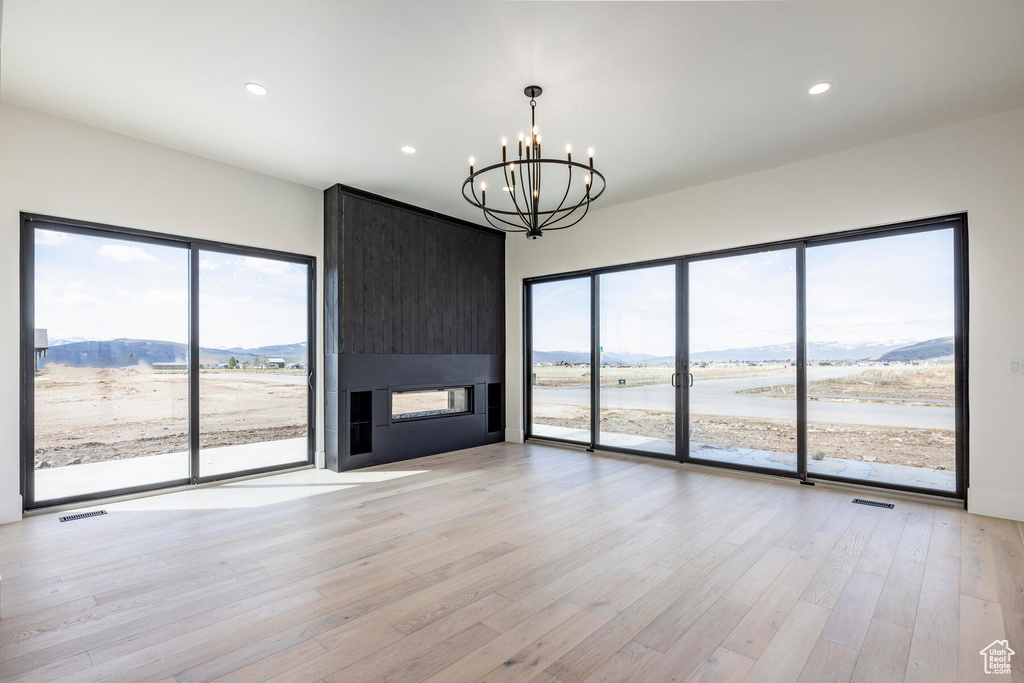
893, 288
103, 288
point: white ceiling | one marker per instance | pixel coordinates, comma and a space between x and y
671, 94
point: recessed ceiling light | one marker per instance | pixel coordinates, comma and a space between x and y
256, 88
409, 149
819, 88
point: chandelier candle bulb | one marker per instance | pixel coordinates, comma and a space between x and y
471, 162
503, 141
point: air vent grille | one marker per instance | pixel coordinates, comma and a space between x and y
82, 515
873, 503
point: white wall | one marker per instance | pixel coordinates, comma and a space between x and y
60, 168
977, 166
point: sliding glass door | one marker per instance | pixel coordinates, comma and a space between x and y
881, 354
836, 357
560, 359
253, 364
151, 361
637, 352
110, 375
742, 360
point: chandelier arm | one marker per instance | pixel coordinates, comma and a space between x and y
528, 197
586, 208
474, 201
584, 202
540, 167
472, 188
497, 214
512, 193
491, 218
536, 199
558, 208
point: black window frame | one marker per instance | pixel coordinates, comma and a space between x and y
29, 223
957, 222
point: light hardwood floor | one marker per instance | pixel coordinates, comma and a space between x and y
510, 562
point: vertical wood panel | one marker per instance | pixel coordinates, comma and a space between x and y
401, 281
464, 321
396, 291
451, 332
387, 275
332, 267
433, 289
353, 275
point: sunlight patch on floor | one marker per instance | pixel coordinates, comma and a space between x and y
252, 493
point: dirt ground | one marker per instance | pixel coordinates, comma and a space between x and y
927, 448
579, 375
96, 414
928, 383
91, 415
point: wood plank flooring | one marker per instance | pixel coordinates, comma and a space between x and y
510, 563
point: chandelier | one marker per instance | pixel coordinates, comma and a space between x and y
522, 206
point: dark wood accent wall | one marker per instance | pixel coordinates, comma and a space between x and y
410, 282
400, 280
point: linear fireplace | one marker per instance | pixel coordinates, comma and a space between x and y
424, 404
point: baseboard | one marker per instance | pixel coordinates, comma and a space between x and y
514, 435
10, 509
995, 504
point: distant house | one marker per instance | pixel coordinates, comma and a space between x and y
182, 365
275, 363
42, 345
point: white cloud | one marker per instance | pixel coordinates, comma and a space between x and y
73, 298
154, 296
206, 264
269, 267
52, 238
121, 252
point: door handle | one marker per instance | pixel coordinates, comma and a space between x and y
691, 378
675, 375
309, 381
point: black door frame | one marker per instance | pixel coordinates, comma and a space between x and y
29, 223
800, 472
956, 222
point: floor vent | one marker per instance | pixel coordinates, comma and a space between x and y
83, 515
873, 503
